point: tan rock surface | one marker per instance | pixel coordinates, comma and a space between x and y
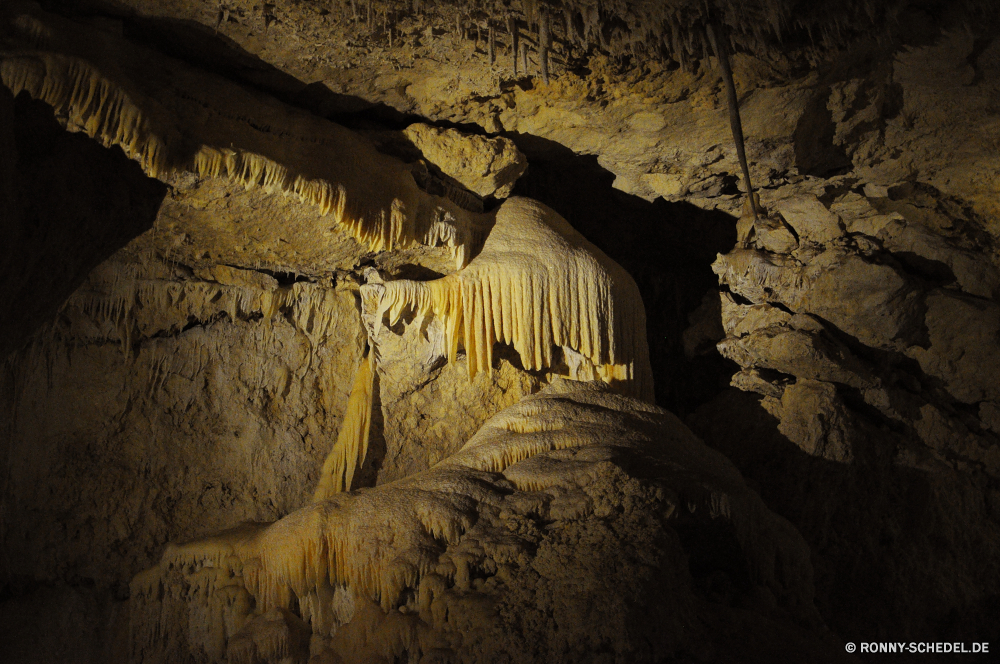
471, 559
487, 166
198, 377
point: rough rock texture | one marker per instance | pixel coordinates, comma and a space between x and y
487, 166
430, 406
873, 342
479, 558
898, 318
178, 352
159, 397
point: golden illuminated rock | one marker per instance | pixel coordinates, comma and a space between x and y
303, 363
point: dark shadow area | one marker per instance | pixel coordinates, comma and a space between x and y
898, 552
77, 203
668, 249
815, 152
205, 49
208, 50
935, 272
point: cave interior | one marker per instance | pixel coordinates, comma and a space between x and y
399, 331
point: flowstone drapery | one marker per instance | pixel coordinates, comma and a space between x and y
542, 539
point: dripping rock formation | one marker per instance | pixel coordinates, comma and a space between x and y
343, 331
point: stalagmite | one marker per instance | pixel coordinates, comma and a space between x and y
515, 48
349, 451
410, 552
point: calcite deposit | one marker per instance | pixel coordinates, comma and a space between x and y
344, 331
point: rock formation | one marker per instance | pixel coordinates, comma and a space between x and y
349, 330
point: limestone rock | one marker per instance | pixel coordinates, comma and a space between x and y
224, 392
278, 636
774, 235
430, 407
539, 286
934, 257
486, 166
964, 348
751, 380
154, 108
832, 326
445, 561
797, 353
706, 326
870, 299
198, 378
816, 419
810, 219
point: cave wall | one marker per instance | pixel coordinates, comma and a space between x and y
180, 353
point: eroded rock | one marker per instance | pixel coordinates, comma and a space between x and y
471, 558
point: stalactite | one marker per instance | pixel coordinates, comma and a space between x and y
675, 42
524, 58
351, 448
719, 45
374, 199
537, 285
492, 44
543, 44
514, 41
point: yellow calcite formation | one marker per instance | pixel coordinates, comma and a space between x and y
537, 285
416, 565
349, 451
171, 118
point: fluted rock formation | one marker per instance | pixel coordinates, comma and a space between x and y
471, 560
